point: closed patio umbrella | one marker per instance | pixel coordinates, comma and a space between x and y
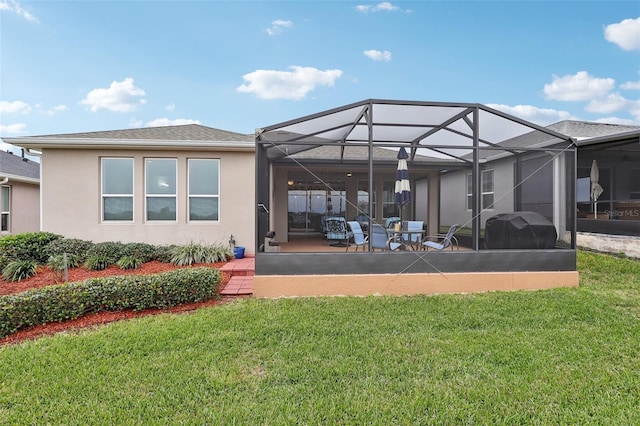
403, 188
596, 189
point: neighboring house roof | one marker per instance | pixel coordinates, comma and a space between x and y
618, 138
18, 168
581, 130
185, 136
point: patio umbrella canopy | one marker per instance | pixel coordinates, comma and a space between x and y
596, 189
403, 188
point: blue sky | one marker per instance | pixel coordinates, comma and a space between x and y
75, 66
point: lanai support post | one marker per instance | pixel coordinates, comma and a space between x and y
476, 180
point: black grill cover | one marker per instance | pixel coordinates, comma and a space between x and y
519, 230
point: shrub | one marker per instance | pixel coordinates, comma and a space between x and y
4, 260
129, 262
19, 270
138, 292
56, 262
110, 250
197, 253
72, 246
143, 251
27, 246
165, 253
98, 263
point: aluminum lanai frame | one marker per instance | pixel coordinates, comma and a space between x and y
453, 134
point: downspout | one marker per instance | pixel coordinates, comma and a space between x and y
3, 181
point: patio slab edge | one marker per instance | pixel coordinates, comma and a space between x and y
273, 286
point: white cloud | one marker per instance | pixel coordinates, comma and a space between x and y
377, 55
294, 85
626, 34
578, 87
541, 116
13, 107
12, 129
56, 109
630, 85
617, 120
278, 26
121, 96
158, 122
380, 7
14, 7
170, 107
134, 122
607, 104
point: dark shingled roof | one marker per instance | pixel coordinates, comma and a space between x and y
12, 164
186, 132
586, 129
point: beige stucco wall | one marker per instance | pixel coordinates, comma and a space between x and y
71, 199
24, 215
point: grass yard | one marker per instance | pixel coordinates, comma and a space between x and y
566, 356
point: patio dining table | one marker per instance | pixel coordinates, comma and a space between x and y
407, 238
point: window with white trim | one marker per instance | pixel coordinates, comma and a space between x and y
487, 190
117, 189
160, 189
5, 208
204, 189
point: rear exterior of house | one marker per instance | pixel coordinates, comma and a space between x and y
164, 185
19, 194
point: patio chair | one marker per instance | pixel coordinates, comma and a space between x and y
363, 220
442, 240
336, 231
380, 239
359, 239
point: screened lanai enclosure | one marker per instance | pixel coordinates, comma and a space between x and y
469, 165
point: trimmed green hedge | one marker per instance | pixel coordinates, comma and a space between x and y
27, 246
138, 292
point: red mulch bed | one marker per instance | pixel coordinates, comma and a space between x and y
46, 277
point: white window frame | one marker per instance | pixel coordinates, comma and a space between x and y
103, 195
190, 195
5, 211
492, 191
469, 195
147, 196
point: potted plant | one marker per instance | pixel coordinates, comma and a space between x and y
238, 251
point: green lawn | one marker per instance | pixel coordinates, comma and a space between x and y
566, 356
